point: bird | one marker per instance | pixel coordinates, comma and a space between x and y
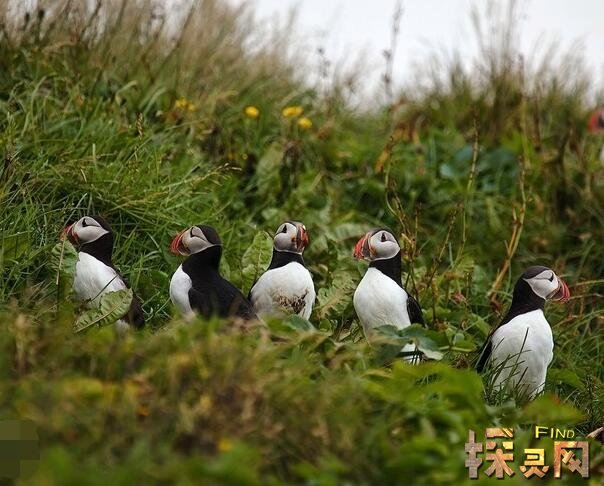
95, 274
380, 298
287, 286
197, 287
520, 348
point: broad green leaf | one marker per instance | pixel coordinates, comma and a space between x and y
547, 410
345, 231
267, 171
423, 339
299, 323
465, 345
289, 324
256, 258
112, 306
416, 334
565, 376
13, 246
63, 260
225, 270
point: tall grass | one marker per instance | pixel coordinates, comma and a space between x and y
125, 109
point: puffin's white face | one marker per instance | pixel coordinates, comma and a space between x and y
548, 285
193, 240
292, 237
85, 230
378, 244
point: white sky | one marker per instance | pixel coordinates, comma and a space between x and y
346, 27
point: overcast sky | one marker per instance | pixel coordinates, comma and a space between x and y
345, 27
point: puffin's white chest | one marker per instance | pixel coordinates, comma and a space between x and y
379, 301
180, 284
288, 289
526, 345
93, 278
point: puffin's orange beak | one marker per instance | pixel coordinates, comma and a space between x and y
594, 121
68, 233
361, 249
301, 238
562, 294
176, 246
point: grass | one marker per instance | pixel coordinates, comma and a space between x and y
114, 110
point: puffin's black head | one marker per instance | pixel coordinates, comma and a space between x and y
87, 230
291, 237
377, 244
195, 240
543, 283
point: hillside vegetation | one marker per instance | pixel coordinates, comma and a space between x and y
122, 110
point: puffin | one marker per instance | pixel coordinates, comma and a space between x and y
523, 339
596, 125
197, 288
380, 298
95, 274
287, 286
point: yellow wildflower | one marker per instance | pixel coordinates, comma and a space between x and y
252, 112
304, 123
184, 104
224, 445
292, 111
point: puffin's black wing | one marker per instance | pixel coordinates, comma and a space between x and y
232, 302
222, 299
485, 354
414, 311
135, 316
487, 347
202, 303
243, 307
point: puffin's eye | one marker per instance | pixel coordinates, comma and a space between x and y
84, 224
383, 237
284, 229
551, 279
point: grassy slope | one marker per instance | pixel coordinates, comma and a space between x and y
93, 125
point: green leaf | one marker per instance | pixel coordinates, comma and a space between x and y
345, 231
423, 339
287, 325
547, 410
464, 346
255, 259
335, 299
565, 376
63, 260
112, 306
299, 323
225, 270
267, 171
481, 324
12, 247
415, 334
